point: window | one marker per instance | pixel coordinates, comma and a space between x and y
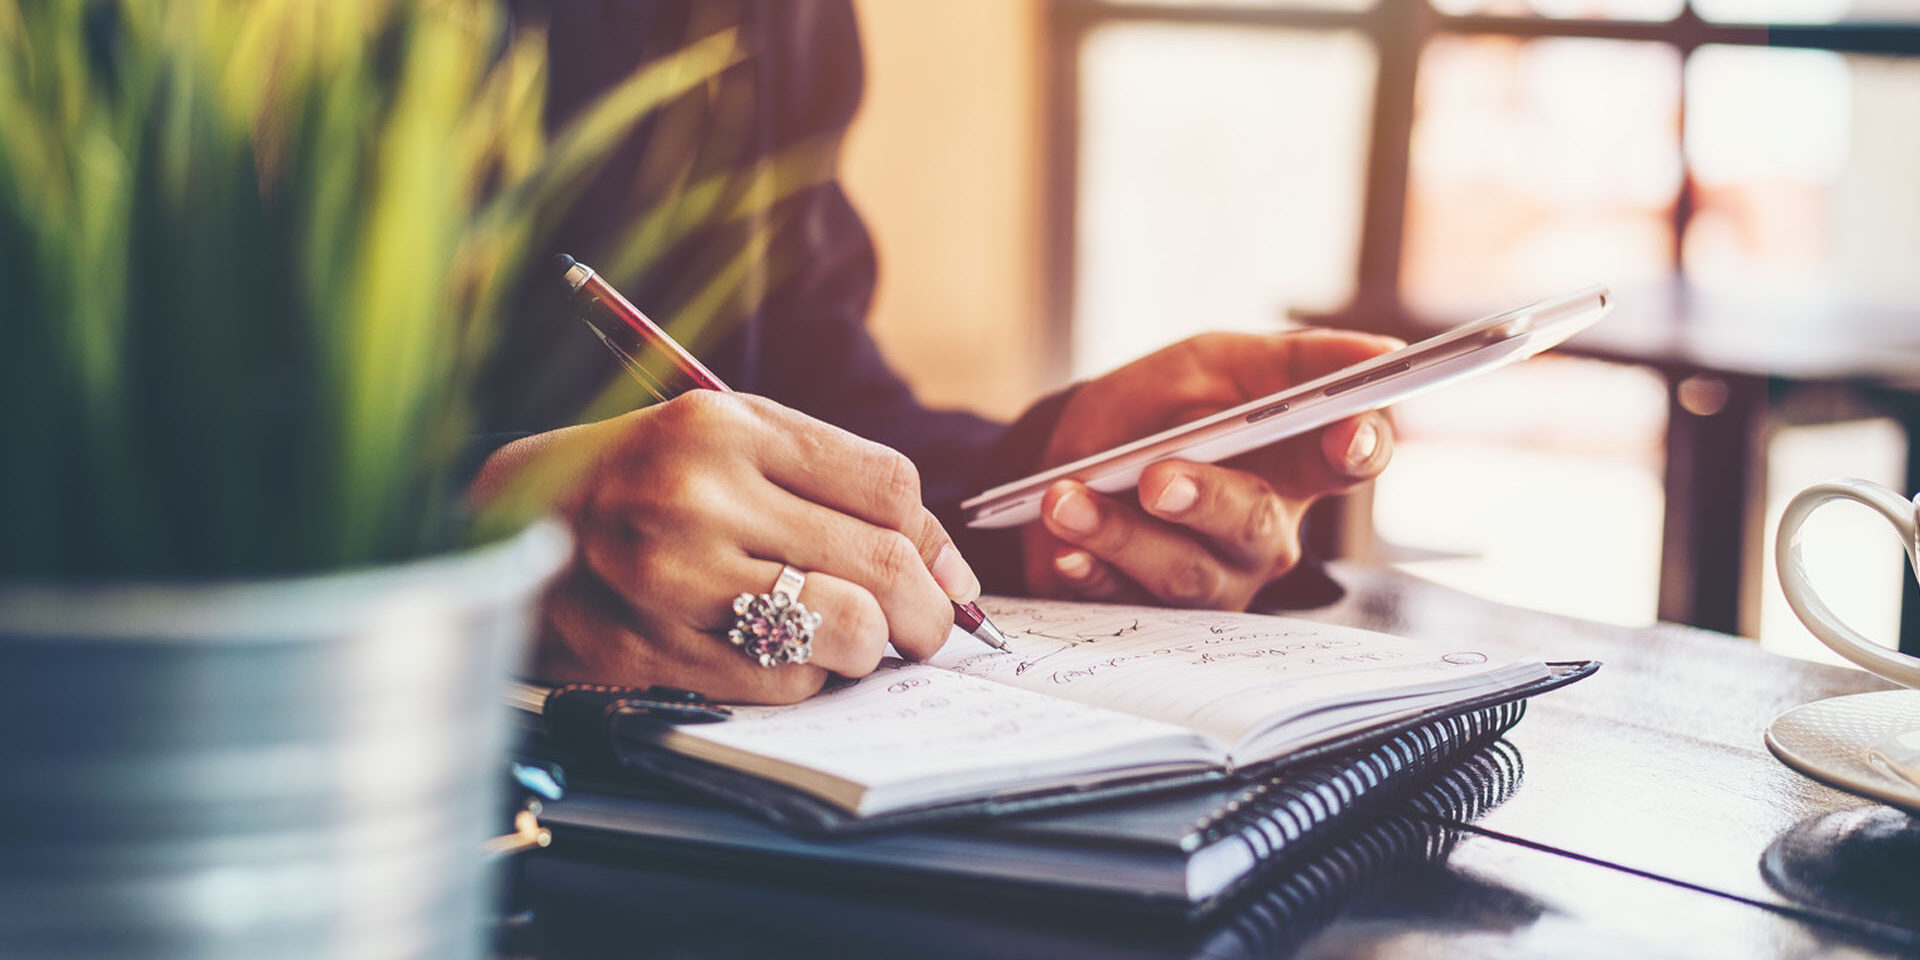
1221, 176
1398, 165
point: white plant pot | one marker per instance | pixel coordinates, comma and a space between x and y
302, 767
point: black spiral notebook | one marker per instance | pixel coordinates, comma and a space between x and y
1165, 755
1183, 852
681, 898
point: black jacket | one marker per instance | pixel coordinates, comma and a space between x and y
772, 295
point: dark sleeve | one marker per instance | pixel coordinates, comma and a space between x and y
799, 332
817, 355
815, 352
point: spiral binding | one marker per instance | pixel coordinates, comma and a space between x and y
1289, 909
1282, 807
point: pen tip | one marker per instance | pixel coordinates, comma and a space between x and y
992, 637
563, 262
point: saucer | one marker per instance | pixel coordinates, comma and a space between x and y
1833, 741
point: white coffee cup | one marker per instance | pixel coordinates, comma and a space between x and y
1806, 603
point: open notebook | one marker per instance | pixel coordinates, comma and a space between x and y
1092, 693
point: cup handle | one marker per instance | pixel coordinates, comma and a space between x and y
1806, 603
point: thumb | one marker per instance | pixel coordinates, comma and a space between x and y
1331, 460
950, 570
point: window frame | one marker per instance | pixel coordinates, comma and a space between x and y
1399, 31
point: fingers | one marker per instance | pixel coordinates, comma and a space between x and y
1252, 365
853, 631
1238, 512
826, 465
693, 602
1320, 351
1090, 577
590, 634
1208, 534
1333, 460
703, 498
882, 562
1356, 450
1162, 558
1202, 533
834, 468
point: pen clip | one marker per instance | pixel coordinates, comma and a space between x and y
632, 365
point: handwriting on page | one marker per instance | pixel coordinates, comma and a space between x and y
1219, 673
907, 720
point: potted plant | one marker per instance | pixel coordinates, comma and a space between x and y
251, 645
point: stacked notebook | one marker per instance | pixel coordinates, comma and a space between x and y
684, 899
1165, 756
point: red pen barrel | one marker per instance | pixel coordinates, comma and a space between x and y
968, 616
609, 300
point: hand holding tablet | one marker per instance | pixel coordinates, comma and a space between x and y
1472, 348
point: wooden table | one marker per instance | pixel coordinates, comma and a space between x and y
1645, 806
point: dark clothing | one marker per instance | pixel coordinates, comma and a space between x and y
773, 296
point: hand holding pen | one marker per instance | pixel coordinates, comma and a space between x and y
694, 502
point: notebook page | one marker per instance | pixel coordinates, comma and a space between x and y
1222, 674
914, 724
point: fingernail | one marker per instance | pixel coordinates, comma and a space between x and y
951, 572
1365, 443
1074, 564
1177, 495
1076, 512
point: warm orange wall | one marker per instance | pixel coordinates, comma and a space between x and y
943, 163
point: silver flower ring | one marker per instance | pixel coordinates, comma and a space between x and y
775, 627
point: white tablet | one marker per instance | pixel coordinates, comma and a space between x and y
1465, 350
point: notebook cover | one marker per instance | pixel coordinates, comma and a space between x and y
631, 765
1466, 778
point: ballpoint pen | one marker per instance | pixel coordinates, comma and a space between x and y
583, 283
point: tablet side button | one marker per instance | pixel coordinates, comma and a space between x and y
1366, 378
1265, 412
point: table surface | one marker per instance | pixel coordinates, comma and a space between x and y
1648, 819
1799, 337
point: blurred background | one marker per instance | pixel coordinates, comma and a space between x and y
1058, 186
